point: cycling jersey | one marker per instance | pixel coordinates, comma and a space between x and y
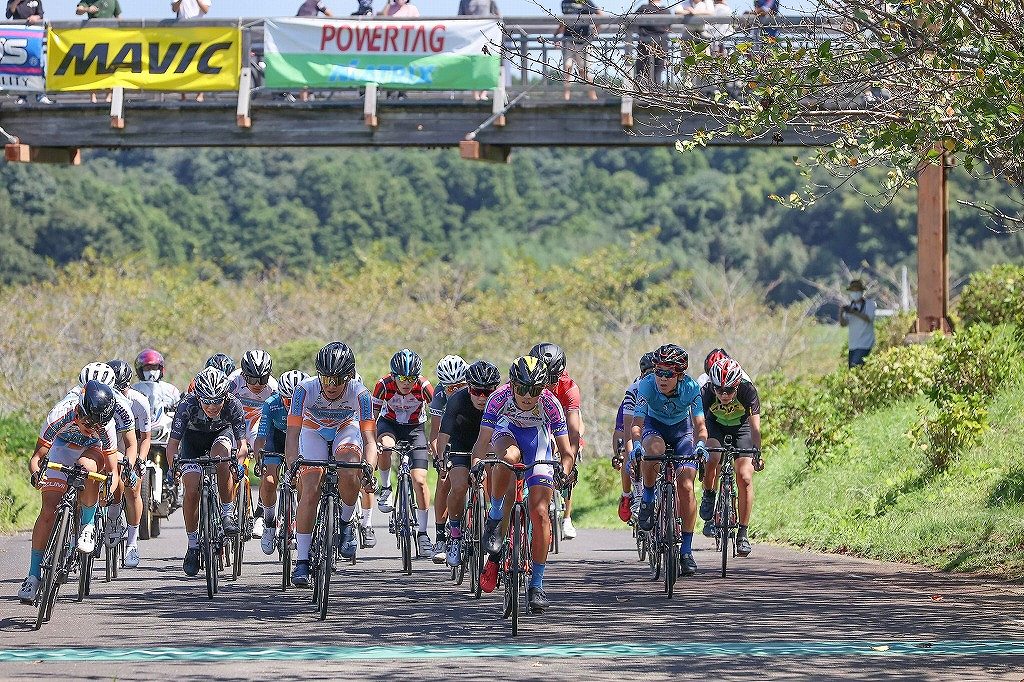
461, 421
734, 413
567, 393
140, 410
162, 397
683, 403
252, 403
190, 417
324, 421
626, 407
273, 416
67, 443
409, 408
547, 413
437, 404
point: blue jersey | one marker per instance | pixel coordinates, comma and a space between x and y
668, 409
274, 413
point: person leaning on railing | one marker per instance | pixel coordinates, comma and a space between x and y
651, 47
578, 30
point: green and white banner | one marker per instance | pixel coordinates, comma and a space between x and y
408, 55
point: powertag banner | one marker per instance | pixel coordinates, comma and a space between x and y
171, 58
21, 58
413, 55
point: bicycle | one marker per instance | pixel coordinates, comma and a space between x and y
327, 527
473, 554
212, 540
403, 513
515, 564
284, 538
664, 538
725, 517
244, 517
60, 557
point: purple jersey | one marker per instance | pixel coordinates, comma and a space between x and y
501, 407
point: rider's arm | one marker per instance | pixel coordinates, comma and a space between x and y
171, 450
566, 452
700, 428
36, 460
755, 430
435, 428
259, 444
574, 421
145, 438
131, 446
442, 443
368, 427
483, 443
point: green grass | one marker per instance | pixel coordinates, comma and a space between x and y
885, 501
19, 503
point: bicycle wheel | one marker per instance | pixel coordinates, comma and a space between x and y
670, 539
53, 557
405, 524
284, 526
206, 542
474, 548
725, 529
556, 514
146, 491
86, 562
243, 514
514, 586
654, 541
326, 567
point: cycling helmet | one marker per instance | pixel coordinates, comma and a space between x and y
97, 402
335, 360
289, 380
646, 363
256, 364
726, 373
222, 362
714, 356
482, 374
529, 371
671, 355
122, 374
451, 370
149, 357
553, 356
97, 371
405, 363
211, 385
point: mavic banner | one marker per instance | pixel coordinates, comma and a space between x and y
408, 55
21, 58
173, 58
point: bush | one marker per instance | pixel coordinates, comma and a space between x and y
955, 426
19, 503
974, 361
898, 373
299, 354
995, 296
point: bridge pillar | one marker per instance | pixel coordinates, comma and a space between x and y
932, 251
23, 153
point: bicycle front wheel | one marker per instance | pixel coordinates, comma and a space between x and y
284, 526
53, 559
405, 523
725, 529
670, 538
243, 515
514, 587
475, 546
206, 541
326, 567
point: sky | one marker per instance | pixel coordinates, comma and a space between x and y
154, 9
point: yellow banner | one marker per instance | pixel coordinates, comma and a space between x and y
178, 58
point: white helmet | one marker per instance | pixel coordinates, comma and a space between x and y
97, 371
451, 370
211, 385
289, 380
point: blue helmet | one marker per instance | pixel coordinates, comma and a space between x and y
405, 363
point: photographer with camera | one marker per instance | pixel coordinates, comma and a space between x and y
858, 316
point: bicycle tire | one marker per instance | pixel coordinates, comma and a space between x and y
475, 547
209, 554
316, 550
326, 568
146, 492
670, 540
405, 527
556, 519
52, 556
724, 531
654, 542
238, 544
515, 583
285, 536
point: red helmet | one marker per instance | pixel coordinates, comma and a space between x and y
149, 357
714, 356
726, 373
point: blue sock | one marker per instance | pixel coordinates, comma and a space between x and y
455, 523
648, 495
497, 508
34, 562
687, 547
88, 514
537, 579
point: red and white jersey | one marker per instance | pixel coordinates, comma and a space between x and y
61, 426
408, 408
252, 403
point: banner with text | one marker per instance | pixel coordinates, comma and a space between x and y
173, 58
406, 55
21, 58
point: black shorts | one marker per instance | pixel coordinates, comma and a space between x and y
274, 444
414, 434
739, 435
457, 460
196, 444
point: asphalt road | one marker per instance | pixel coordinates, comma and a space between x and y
783, 613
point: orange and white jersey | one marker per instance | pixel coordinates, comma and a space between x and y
252, 403
312, 410
62, 428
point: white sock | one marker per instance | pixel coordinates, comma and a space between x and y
302, 543
385, 478
421, 519
347, 512
270, 514
366, 519
193, 539
133, 535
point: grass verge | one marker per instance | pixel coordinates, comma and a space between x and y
19, 503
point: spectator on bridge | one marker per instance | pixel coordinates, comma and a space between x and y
717, 33
190, 9
29, 11
364, 8
99, 9
313, 8
651, 47
479, 8
578, 30
697, 7
406, 10
766, 10
858, 316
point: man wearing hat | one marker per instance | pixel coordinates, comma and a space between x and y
859, 317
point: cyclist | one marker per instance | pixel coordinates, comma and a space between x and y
451, 375
329, 410
253, 385
273, 425
133, 499
208, 421
80, 432
221, 361
714, 356
669, 405
163, 396
621, 433
734, 410
459, 429
518, 423
400, 402
568, 395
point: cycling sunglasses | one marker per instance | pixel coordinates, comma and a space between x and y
87, 422
482, 392
724, 390
532, 391
326, 380
256, 381
405, 377
211, 401
665, 373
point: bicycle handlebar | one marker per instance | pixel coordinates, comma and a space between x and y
76, 470
737, 451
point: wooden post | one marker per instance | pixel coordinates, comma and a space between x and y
117, 108
370, 105
23, 153
244, 92
498, 99
626, 111
932, 250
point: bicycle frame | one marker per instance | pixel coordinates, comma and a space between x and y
665, 536
211, 529
403, 516
726, 514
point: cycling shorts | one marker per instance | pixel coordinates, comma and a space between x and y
458, 460
534, 445
62, 453
313, 443
740, 435
414, 434
679, 436
274, 444
199, 444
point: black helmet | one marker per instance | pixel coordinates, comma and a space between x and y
714, 356
553, 356
335, 360
646, 363
211, 385
256, 364
482, 374
122, 373
529, 371
406, 363
97, 402
222, 362
671, 355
